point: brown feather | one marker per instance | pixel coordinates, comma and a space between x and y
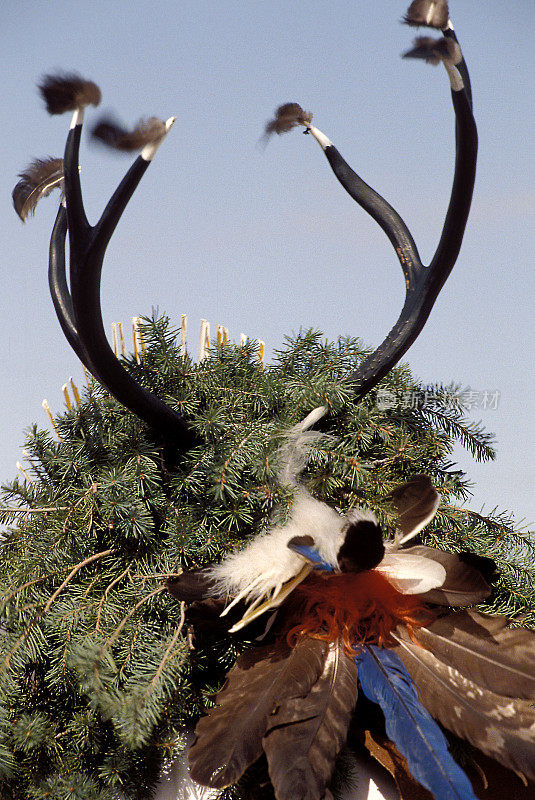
499, 726
307, 731
431, 13
435, 50
463, 585
68, 91
484, 649
386, 753
287, 117
229, 738
112, 134
36, 181
416, 502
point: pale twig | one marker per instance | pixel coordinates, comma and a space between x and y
125, 619
73, 572
109, 587
178, 631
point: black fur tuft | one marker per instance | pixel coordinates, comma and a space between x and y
363, 547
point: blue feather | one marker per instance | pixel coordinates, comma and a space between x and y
385, 681
310, 554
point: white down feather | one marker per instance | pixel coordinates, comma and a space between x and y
267, 562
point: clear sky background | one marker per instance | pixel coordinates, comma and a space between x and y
265, 241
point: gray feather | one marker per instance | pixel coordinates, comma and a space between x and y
37, 181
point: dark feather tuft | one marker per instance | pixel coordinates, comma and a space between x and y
435, 50
36, 181
431, 13
287, 117
113, 134
68, 91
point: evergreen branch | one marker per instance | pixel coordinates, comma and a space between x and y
178, 631
125, 619
109, 587
231, 456
42, 613
73, 572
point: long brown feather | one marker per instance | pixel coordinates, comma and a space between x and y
463, 585
287, 117
485, 650
36, 181
114, 135
229, 738
501, 727
431, 13
306, 733
68, 91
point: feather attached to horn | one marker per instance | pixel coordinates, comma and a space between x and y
428, 13
287, 116
433, 51
67, 92
114, 135
37, 181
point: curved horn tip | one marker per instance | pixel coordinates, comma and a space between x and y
149, 151
323, 141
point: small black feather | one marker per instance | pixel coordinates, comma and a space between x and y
287, 117
363, 547
435, 50
68, 91
113, 134
36, 181
431, 13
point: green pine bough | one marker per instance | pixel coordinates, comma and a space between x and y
100, 671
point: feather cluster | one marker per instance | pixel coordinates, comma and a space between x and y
431, 13
294, 705
344, 621
36, 181
67, 92
287, 117
477, 678
115, 135
435, 50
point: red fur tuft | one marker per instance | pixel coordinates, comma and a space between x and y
362, 608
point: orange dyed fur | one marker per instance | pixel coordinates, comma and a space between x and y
359, 608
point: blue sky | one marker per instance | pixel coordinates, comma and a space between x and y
265, 241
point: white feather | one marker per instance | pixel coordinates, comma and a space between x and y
293, 454
411, 574
267, 561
